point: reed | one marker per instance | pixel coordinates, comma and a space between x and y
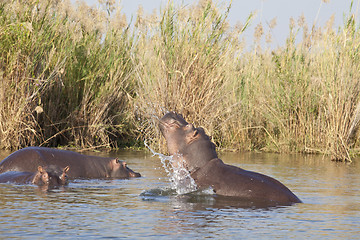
63, 82
80, 76
302, 97
182, 66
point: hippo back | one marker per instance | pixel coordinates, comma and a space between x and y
82, 166
16, 177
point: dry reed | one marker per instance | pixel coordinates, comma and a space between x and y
86, 78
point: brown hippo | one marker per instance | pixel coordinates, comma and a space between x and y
82, 166
193, 149
49, 176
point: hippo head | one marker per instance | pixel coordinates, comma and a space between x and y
51, 176
119, 169
183, 138
57, 175
41, 177
173, 127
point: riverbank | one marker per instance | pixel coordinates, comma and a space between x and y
77, 76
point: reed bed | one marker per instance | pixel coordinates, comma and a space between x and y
65, 76
82, 77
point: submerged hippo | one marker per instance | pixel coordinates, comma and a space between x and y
49, 176
193, 149
82, 166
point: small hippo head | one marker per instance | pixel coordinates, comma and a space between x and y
183, 138
51, 175
57, 175
119, 169
41, 177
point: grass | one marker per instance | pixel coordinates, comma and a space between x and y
84, 78
54, 62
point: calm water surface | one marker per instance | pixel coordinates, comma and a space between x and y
146, 207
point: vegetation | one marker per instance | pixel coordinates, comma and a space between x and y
82, 77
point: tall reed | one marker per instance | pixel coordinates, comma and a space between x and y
62, 82
82, 77
302, 97
182, 66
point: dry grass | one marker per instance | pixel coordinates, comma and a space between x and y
62, 82
81, 77
302, 97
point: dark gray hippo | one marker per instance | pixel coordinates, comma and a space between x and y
82, 166
193, 149
44, 176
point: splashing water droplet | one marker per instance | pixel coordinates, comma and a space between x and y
179, 177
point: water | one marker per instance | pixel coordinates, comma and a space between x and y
179, 177
147, 207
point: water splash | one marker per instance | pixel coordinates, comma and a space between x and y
179, 177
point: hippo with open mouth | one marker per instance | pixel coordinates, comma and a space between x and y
192, 149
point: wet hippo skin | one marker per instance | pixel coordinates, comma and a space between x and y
81, 166
50, 176
193, 149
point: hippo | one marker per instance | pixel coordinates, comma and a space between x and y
82, 166
192, 149
44, 176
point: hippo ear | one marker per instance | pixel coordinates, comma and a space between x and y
66, 169
114, 163
194, 134
124, 164
41, 169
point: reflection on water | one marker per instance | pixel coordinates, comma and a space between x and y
148, 208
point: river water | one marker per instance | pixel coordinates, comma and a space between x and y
147, 208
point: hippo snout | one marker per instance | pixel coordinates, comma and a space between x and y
133, 174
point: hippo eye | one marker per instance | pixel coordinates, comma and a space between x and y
173, 122
63, 178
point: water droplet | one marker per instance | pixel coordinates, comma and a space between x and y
179, 177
